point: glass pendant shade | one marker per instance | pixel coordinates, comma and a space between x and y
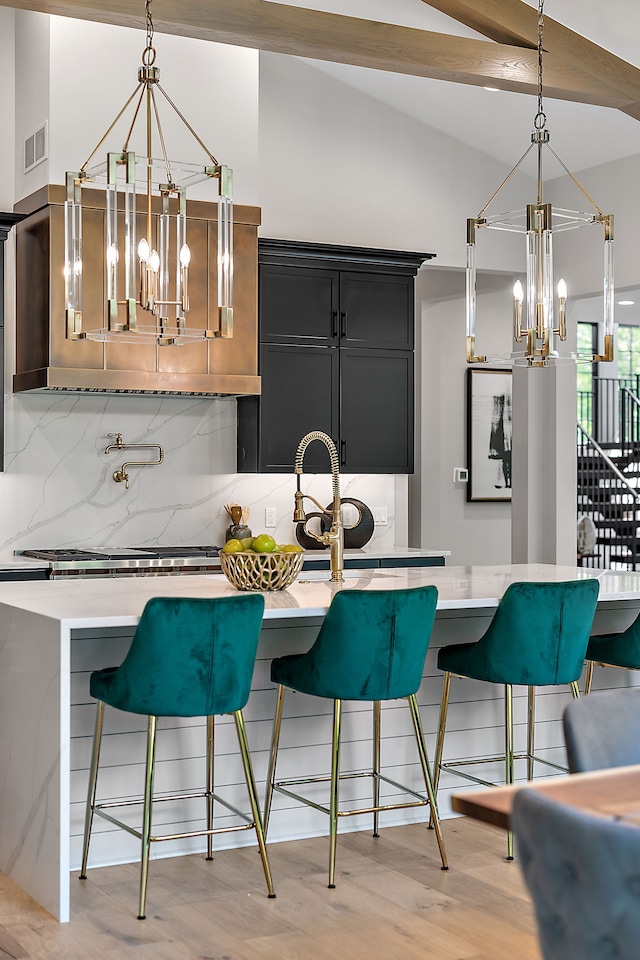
539, 310
146, 269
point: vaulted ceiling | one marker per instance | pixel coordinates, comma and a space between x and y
476, 43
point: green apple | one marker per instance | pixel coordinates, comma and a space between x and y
263, 543
232, 546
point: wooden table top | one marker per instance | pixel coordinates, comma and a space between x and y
610, 793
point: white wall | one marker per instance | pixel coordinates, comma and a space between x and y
615, 187
7, 106
32, 90
474, 532
215, 86
339, 166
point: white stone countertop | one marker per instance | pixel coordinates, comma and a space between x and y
378, 553
79, 604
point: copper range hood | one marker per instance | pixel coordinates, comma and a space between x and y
47, 360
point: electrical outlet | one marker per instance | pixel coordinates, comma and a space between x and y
269, 516
460, 475
380, 516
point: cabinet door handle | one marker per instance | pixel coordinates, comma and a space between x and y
343, 452
334, 325
343, 323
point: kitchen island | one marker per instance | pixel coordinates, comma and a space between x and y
52, 634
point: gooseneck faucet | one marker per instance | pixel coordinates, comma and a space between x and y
335, 536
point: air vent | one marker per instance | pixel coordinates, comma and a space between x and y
36, 147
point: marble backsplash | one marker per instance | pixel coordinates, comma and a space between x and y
57, 488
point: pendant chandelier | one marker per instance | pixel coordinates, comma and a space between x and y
534, 310
146, 272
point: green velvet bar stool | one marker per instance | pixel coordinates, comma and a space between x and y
371, 647
538, 637
614, 650
188, 658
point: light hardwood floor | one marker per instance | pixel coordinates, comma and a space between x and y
391, 901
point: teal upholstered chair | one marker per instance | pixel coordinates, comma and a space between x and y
582, 872
538, 637
188, 658
372, 646
614, 650
603, 730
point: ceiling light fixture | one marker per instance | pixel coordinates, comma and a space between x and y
626, 303
146, 271
534, 322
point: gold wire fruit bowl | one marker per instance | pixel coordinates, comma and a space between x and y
261, 571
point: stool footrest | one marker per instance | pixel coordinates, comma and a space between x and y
421, 800
452, 765
99, 810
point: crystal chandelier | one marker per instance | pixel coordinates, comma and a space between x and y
146, 273
534, 309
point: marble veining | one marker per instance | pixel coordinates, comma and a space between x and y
59, 484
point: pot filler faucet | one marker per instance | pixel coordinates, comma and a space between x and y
335, 536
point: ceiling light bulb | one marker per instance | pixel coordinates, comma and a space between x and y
112, 255
562, 290
185, 255
518, 292
143, 250
154, 261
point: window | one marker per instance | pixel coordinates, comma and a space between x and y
628, 351
587, 344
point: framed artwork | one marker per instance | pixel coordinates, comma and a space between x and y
489, 424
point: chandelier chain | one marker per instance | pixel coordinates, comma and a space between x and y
149, 53
540, 118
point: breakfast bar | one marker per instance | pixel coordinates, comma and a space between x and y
53, 634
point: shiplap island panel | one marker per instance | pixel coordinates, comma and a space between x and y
52, 634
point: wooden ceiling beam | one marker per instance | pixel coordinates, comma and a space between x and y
314, 34
514, 22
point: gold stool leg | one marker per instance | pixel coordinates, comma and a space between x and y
273, 757
91, 792
588, 677
424, 760
508, 753
444, 706
531, 720
575, 690
376, 764
146, 814
210, 783
335, 782
253, 798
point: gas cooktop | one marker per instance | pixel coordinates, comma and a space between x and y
72, 554
127, 561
